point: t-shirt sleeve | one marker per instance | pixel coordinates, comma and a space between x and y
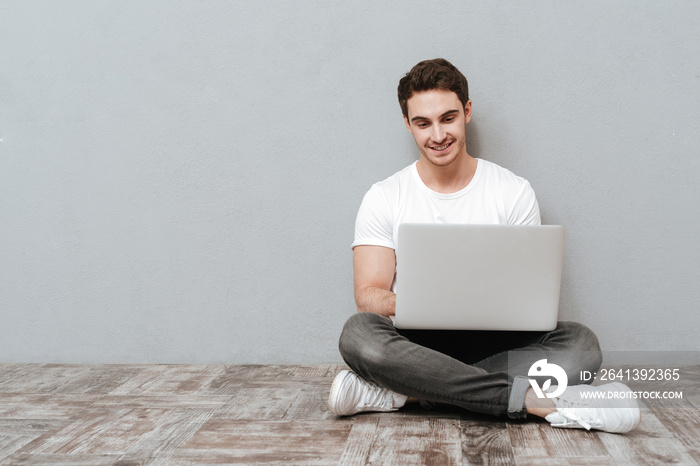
374, 224
524, 209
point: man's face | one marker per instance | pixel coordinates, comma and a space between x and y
436, 119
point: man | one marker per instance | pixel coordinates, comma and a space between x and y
468, 369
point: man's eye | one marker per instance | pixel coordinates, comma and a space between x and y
422, 125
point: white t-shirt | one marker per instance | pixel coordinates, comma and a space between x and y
494, 196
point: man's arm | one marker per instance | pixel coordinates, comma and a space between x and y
374, 273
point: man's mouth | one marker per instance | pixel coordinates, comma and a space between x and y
441, 148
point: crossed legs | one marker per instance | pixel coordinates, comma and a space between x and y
462, 368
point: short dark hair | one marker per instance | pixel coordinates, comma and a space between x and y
432, 74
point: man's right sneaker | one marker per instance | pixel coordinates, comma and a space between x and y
351, 394
611, 408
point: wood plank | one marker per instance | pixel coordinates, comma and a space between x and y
287, 376
31, 406
310, 403
405, 440
528, 439
230, 379
38, 378
99, 380
170, 380
10, 371
157, 446
566, 461
290, 372
233, 377
9, 444
486, 441
360, 440
161, 401
61, 460
683, 426
265, 403
146, 374
230, 441
641, 448
366, 430
573, 442
537, 438
31, 427
99, 432
16, 433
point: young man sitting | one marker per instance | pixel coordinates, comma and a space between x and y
468, 369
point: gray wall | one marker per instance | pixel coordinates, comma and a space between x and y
179, 180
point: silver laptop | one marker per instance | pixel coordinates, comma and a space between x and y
478, 277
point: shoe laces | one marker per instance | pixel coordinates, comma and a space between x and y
578, 412
377, 396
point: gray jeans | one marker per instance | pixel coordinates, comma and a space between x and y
468, 369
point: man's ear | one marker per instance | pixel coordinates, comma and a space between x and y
408, 125
467, 111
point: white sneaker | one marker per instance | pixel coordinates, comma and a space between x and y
350, 394
610, 407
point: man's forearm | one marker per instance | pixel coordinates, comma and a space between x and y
377, 300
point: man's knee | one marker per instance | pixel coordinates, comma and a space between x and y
584, 348
578, 336
358, 343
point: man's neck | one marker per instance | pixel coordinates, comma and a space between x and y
449, 179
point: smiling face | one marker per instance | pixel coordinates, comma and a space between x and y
437, 120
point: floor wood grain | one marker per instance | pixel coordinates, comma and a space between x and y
214, 414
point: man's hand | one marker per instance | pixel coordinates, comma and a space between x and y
375, 267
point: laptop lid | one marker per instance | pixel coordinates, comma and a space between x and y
478, 277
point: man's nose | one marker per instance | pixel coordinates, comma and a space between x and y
438, 133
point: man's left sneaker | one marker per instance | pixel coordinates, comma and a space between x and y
610, 408
351, 394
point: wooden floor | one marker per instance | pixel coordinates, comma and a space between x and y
179, 414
